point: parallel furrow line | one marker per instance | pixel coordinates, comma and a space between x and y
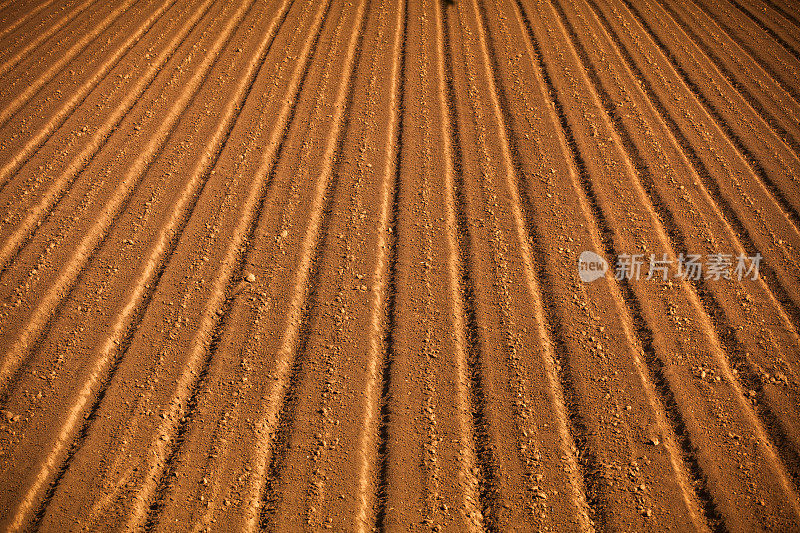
251, 211
751, 100
627, 323
8, 64
748, 50
603, 238
769, 31
33, 88
204, 168
452, 170
778, 196
110, 213
676, 241
728, 214
60, 186
28, 14
128, 320
79, 96
305, 296
220, 140
571, 424
389, 353
382, 311
156, 492
643, 333
734, 220
531, 243
283, 428
288, 412
148, 501
474, 358
785, 14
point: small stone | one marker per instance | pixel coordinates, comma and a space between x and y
250, 277
654, 441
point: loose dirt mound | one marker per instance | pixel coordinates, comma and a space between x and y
297, 264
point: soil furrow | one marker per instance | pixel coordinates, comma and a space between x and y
779, 194
23, 154
33, 87
602, 476
381, 348
192, 194
785, 13
743, 85
692, 302
563, 389
716, 14
28, 14
234, 283
164, 245
723, 197
117, 203
769, 31
8, 64
296, 343
301, 286
607, 237
475, 502
378, 265
731, 208
386, 370
37, 213
237, 257
153, 267
713, 300
474, 359
732, 218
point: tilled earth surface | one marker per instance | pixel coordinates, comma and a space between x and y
314, 265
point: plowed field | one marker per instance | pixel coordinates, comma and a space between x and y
318, 265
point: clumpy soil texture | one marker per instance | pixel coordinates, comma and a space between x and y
294, 265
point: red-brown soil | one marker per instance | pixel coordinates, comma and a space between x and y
313, 265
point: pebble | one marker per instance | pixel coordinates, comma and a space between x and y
250, 277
